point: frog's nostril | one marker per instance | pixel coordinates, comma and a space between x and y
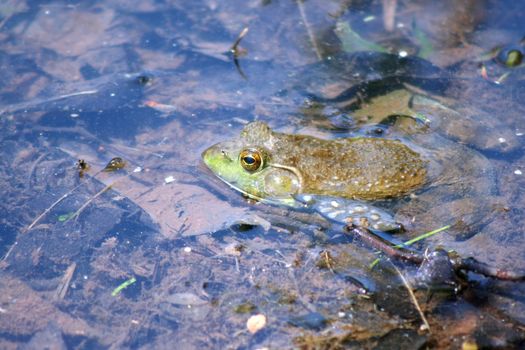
225, 155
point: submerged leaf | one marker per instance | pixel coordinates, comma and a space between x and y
425, 46
65, 217
352, 41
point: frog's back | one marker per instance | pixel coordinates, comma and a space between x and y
358, 168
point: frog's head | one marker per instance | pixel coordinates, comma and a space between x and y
245, 163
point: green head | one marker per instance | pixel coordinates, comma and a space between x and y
245, 163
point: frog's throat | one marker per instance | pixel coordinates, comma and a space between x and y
238, 189
288, 201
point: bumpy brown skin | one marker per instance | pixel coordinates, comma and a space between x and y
357, 168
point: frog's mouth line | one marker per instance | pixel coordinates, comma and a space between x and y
247, 194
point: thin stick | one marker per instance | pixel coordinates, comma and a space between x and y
374, 241
9, 251
389, 14
49, 209
309, 30
414, 299
63, 287
54, 205
471, 264
234, 49
77, 213
236, 53
26, 105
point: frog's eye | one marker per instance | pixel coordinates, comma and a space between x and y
511, 57
251, 159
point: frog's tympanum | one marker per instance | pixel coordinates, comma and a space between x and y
434, 177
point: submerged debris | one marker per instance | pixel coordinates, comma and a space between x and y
255, 323
115, 164
82, 167
144, 80
123, 286
245, 308
169, 179
63, 287
456, 262
237, 52
65, 217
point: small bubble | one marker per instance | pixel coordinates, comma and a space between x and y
518, 172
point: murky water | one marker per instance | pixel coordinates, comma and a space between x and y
156, 83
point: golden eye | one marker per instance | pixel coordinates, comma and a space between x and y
251, 159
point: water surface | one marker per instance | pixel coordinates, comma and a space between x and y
155, 83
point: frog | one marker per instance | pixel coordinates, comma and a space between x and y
413, 175
276, 167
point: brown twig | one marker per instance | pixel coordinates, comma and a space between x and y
63, 287
367, 237
471, 264
389, 14
466, 264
